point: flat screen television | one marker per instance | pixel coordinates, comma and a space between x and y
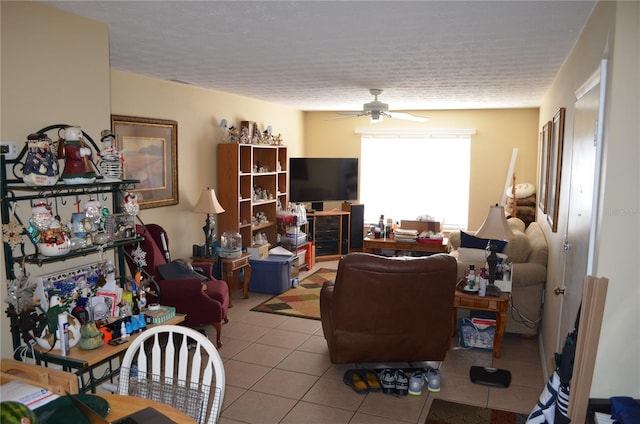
323, 179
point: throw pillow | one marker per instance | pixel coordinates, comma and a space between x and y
177, 270
467, 240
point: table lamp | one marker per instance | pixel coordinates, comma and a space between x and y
494, 227
209, 204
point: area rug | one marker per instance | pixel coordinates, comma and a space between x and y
445, 412
302, 301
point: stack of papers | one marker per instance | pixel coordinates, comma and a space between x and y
405, 235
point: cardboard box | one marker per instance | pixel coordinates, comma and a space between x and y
163, 314
259, 252
420, 225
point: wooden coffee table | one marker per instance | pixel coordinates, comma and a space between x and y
499, 305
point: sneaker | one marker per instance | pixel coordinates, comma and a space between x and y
388, 381
402, 383
415, 383
432, 377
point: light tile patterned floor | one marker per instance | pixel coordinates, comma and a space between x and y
278, 371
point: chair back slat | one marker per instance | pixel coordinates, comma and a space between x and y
186, 383
183, 360
156, 357
196, 364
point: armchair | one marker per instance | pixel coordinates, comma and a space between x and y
202, 300
383, 309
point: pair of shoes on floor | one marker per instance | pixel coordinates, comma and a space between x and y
394, 382
416, 381
432, 378
362, 381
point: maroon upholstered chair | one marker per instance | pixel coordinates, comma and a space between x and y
204, 300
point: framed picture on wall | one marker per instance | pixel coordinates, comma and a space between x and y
543, 184
150, 150
555, 168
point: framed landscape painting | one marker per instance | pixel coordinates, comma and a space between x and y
555, 168
150, 150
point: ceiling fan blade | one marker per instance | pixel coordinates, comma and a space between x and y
354, 113
343, 116
407, 116
347, 115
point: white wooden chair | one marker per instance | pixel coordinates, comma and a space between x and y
169, 369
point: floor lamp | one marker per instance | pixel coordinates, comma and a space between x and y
209, 204
494, 227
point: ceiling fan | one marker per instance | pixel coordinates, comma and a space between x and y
377, 110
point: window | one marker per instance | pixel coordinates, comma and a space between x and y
404, 177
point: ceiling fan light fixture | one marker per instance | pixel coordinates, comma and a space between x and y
376, 116
376, 111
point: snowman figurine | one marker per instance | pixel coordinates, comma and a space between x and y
131, 206
110, 158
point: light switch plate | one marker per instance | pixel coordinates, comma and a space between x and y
10, 149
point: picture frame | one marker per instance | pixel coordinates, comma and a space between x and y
555, 168
543, 184
150, 150
111, 300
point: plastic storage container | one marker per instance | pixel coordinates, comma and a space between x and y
271, 275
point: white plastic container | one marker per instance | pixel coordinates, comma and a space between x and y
63, 334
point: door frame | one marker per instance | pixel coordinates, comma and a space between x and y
595, 288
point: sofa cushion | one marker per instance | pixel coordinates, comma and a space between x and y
467, 240
516, 224
518, 248
539, 250
466, 254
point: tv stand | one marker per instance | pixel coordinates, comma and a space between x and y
317, 206
329, 232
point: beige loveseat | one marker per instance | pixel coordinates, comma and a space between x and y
528, 253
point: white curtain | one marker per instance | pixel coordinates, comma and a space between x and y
403, 177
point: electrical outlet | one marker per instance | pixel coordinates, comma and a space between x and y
9, 149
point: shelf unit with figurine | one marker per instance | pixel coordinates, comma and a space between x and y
252, 181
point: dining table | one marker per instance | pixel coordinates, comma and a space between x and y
121, 406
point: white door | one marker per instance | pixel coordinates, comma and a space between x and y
583, 198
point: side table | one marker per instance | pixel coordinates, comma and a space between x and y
499, 305
229, 268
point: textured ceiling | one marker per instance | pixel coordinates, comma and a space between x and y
325, 55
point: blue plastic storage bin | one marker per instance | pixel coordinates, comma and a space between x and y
271, 275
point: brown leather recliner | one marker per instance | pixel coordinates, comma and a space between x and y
383, 309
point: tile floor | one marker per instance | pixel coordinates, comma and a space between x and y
278, 371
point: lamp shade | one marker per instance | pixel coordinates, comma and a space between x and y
495, 226
208, 202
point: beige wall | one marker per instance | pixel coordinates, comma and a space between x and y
498, 132
63, 76
49, 77
198, 113
612, 33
